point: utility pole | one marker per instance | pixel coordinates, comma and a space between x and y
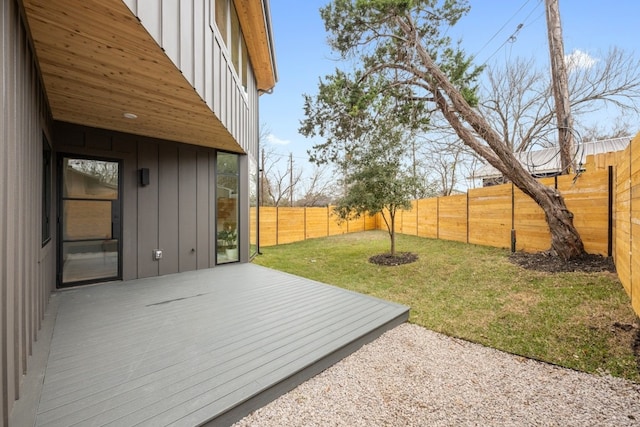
560, 86
290, 179
262, 181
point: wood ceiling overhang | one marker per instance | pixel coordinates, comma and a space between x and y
254, 18
98, 62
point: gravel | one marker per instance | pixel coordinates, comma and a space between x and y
411, 376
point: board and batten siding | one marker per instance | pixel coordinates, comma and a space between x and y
26, 265
187, 32
174, 213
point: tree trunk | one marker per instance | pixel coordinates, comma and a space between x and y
392, 233
565, 239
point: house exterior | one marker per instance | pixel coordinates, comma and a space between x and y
546, 162
128, 146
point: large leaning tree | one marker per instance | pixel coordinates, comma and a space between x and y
403, 41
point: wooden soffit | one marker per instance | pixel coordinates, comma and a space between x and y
98, 62
255, 21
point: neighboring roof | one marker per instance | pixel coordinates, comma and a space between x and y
547, 161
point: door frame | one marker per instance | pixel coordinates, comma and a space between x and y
60, 156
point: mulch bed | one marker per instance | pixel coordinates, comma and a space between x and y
544, 261
391, 260
540, 261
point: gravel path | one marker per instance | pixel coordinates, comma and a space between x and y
411, 376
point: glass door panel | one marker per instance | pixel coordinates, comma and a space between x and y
90, 222
227, 208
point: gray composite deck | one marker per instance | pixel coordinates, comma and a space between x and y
197, 347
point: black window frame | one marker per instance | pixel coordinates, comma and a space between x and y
47, 188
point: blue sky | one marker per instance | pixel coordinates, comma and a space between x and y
303, 57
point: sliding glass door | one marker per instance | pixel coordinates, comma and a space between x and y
90, 221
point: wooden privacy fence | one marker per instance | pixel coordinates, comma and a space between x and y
503, 216
605, 201
492, 216
287, 225
627, 220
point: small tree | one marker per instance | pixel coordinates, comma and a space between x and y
379, 182
368, 133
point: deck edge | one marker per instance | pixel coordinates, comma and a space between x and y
283, 386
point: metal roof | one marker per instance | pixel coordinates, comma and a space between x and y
547, 161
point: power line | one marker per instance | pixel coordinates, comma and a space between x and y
513, 36
502, 28
511, 39
280, 155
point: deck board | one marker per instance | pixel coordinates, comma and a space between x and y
197, 347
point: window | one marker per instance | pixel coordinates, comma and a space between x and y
46, 191
221, 19
245, 64
227, 214
226, 18
236, 36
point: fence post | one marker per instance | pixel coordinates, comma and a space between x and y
437, 217
610, 213
467, 216
417, 216
328, 226
513, 219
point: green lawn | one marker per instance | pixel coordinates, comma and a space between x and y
577, 320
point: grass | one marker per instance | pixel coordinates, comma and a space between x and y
475, 293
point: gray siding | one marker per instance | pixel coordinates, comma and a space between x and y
148, 223
173, 213
26, 266
204, 181
184, 30
168, 208
187, 210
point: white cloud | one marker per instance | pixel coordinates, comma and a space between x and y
272, 139
579, 59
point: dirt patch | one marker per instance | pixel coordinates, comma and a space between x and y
391, 260
544, 261
636, 347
